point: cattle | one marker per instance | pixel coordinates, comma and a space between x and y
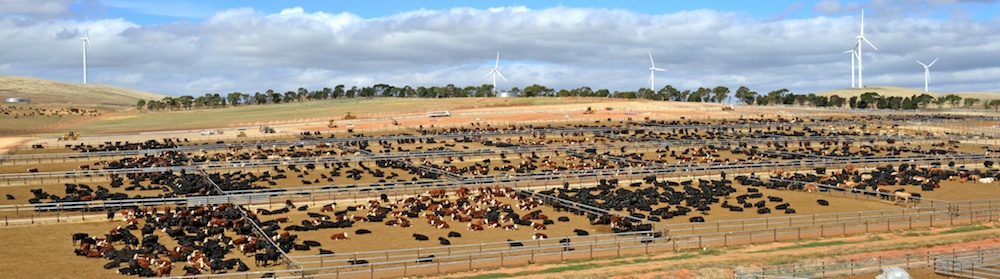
823, 202
539, 236
420, 237
357, 262
33, 170
79, 237
537, 226
474, 227
697, 219
763, 210
580, 232
563, 219
339, 236
427, 259
311, 243
454, 234
362, 231
10, 197
444, 241
513, 243
325, 252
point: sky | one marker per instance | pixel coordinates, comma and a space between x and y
187, 47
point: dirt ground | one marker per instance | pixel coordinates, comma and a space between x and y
46, 243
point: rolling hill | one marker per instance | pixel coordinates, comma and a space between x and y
50, 91
905, 92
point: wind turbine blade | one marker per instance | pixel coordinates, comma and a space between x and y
490, 73
869, 43
922, 64
651, 63
932, 62
498, 60
658, 69
501, 76
862, 22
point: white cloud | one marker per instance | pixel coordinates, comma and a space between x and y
34, 7
247, 50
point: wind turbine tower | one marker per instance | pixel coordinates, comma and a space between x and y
854, 56
495, 72
652, 70
86, 45
927, 71
861, 37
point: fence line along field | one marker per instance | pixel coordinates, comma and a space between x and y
406, 190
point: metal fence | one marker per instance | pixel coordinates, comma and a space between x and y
942, 259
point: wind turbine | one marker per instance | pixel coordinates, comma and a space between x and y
86, 45
861, 37
495, 72
652, 70
927, 71
854, 56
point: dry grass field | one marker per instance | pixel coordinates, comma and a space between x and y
49, 91
892, 91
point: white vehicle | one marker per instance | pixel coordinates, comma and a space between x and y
442, 113
207, 132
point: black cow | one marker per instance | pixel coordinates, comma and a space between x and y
444, 241
427, 259
420, 237
454, 234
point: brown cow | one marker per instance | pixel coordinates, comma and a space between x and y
339, 236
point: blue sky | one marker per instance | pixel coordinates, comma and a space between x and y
164, 11
197, 47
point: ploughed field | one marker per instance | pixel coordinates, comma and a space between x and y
382, 182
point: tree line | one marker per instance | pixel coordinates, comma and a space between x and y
716, 94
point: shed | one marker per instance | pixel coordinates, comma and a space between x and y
17, 100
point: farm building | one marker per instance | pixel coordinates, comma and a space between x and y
17, 100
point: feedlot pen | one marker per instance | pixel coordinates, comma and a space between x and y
625, 157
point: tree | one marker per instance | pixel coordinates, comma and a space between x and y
140, 104
924, 99
836, 101
995, 104
274, 96
301, 93
969, 102
669, 93
234, 98
854, 102
289, 97
534, 90
719, 93
338, 91
775, 97
602, 93
869, 98
352, 92
953, 100
940, 102
745, 95
185, 101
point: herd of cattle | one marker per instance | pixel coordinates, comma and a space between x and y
201, 237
